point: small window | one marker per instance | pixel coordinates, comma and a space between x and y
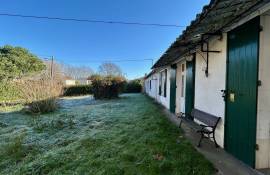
182, 85
183, 67
160, 84
165, 83
150, 84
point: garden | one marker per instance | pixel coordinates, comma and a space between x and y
128, 135
106, 127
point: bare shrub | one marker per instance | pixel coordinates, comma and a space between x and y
40, 93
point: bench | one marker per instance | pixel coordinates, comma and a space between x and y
206, 129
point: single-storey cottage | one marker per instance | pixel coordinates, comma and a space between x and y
220, 65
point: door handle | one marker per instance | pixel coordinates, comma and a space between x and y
232, 97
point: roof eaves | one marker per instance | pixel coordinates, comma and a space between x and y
209, 21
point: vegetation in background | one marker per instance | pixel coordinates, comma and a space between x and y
40, 93
110, 69
107, 87
8, 92
128, 135
11, 108
76, 72
133, 86
9, 97
78, 90
16, 62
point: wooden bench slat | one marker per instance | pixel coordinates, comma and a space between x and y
208, 119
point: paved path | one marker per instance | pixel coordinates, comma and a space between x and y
224, 162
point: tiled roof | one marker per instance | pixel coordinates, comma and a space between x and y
213, 18
148, 75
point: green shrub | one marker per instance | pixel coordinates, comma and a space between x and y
78, 90
8, 92
133, 86
16, 62
107, 87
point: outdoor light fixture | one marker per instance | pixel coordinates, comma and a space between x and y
197, 36
189, 58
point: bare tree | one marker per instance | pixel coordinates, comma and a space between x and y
110, 69
81, 72
53, 69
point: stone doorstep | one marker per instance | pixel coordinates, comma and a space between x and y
225, 163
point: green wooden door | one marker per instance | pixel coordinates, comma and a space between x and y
241, 101
172, 88
190, 86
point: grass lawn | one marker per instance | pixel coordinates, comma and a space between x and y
128, 136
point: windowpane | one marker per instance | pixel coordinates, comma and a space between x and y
183, 68
165, 83
182, 85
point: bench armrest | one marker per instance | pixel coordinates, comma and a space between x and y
205, 127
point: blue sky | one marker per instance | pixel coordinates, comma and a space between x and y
91, 44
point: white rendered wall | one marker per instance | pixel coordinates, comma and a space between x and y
208, 96
165, 101
150, 91
154, 91
263, 113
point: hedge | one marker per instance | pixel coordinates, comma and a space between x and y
133, 86
107, 87
78, 90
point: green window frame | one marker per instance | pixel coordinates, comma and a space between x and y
165, 83
160, 83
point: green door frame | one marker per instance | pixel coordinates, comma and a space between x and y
190, 86
173, 88
227, 94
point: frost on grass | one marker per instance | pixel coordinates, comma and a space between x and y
121, 136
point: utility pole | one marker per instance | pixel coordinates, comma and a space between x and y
52, 59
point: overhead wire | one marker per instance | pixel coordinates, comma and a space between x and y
91, 20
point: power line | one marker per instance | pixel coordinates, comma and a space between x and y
117, 61
49, 57
91, 20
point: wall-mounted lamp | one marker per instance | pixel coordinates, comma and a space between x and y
189, 59
198, 35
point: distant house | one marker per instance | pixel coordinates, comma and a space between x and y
83, 81
73, 82
220, 65
68, 81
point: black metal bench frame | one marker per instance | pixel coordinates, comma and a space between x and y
206, 129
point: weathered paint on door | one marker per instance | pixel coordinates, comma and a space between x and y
190, 84
241, 101
173, 88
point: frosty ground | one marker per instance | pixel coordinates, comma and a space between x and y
129, 135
